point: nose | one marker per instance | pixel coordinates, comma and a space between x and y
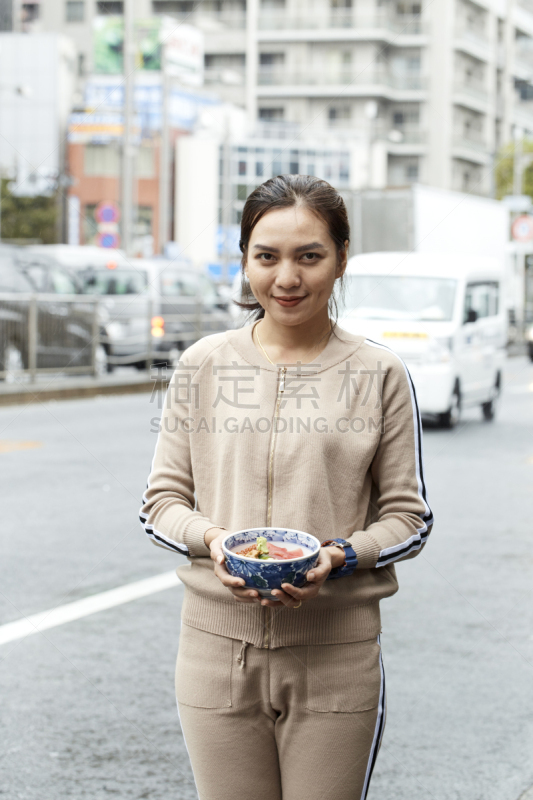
287, 274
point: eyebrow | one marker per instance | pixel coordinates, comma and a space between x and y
312, 246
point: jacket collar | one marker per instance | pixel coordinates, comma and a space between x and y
341, 345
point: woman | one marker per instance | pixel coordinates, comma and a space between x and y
290, 422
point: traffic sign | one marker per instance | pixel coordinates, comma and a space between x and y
108, 240
107, 211
522, 228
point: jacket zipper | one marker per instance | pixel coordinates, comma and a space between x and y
281, 389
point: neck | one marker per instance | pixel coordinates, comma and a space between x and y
290, 343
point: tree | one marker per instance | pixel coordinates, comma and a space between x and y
505, 166
27, 217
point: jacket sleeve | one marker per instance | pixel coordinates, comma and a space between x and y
168, 513
402, 518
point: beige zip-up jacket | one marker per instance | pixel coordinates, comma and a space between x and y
333, 447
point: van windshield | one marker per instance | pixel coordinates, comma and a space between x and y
117, 281
399, 297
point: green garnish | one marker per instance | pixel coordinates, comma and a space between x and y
262, 548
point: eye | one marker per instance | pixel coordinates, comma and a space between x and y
266, 257
310, 257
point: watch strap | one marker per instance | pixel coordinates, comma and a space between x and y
350, 559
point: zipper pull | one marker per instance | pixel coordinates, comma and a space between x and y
282, 381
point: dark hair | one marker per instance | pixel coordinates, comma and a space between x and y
285, 191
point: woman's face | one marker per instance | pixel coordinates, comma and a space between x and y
292, 264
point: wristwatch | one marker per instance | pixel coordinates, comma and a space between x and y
350, 558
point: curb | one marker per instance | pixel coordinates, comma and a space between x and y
80, 391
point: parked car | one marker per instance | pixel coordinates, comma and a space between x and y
148, 305
63, 329
443, 315
239, 286
190, 306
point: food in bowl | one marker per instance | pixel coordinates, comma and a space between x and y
268, 551
270, 572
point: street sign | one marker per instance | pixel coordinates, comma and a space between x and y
184, 51
522, 228
107, 211
107, 215
106, 239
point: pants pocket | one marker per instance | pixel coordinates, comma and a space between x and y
343, 677
203, 669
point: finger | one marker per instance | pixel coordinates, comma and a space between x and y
228, 580
291, 590
245, 599
287, 599
305, 593
245, 593
270, 603
216, 553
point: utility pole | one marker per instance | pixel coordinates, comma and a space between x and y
164, 153
252, 56
518, 161
227, 197
127, 146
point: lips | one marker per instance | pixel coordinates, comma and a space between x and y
289, 302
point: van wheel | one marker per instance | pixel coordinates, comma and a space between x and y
451, 417
489, 409
530, 350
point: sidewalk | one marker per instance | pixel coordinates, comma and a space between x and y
65, 387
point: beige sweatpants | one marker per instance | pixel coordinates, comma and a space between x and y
285, 724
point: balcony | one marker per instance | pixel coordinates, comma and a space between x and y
400, 135
342, 77
473, 89
470, 143
347, 19
210, 21
228, 76
524, 58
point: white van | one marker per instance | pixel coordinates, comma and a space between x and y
443, 314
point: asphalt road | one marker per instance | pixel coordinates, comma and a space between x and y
88, 707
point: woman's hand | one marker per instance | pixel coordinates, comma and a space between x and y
213, 539
289, 595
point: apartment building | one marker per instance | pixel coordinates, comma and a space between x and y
429, 90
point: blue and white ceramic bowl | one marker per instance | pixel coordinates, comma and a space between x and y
267, 575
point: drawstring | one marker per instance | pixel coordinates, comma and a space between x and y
242, 655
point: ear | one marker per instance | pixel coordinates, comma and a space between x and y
342, 260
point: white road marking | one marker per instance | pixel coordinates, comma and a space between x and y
20, 628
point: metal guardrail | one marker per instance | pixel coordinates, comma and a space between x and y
88, 334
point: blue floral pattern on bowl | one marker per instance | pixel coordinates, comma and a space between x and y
267, 575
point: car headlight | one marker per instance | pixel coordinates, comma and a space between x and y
440, 350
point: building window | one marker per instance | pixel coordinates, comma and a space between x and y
271, 113
173, 6
109, 7
402, 170
338, 115
271, 59
29, 12
75, 11
409, 9
101, 160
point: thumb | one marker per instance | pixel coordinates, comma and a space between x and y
216, 552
